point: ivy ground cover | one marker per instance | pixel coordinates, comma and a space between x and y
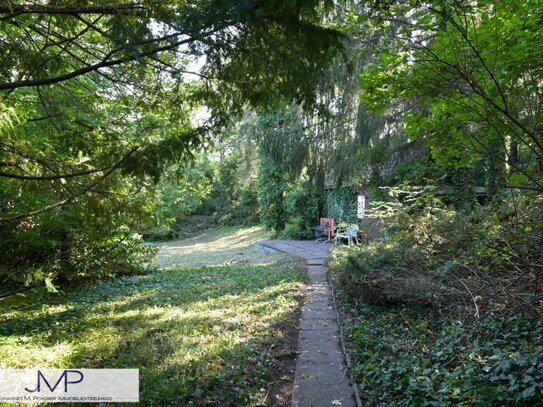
212, 335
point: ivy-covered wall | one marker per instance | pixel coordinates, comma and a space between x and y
340, 204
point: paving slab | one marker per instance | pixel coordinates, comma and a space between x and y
321, 374
320, 284
318, 307
316, 279
320, 377
313, 313
321, 384
320, 353
321, 324
319, 297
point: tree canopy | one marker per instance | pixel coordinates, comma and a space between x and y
98, 100
467, 78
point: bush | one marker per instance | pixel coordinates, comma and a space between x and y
439, 256
446, 310
272, 183
245, 210
292, 231
88, 240
303, 202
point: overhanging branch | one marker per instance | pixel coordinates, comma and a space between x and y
72, 197
106, 62
47, 177
16, 9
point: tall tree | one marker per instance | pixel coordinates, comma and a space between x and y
251, 53
474, 71
96, 101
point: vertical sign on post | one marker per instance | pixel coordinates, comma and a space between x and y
361, 205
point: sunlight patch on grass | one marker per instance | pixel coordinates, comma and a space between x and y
224, 246
200, 335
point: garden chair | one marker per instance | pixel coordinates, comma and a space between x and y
318, 232
350, 233
325, 230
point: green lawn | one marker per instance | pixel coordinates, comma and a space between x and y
223, 246
200, 336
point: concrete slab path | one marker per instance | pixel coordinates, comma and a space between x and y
321, 377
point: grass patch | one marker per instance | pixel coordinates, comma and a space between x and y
200, 336
223, 246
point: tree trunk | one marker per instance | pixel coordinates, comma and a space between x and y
513, 153
248, 153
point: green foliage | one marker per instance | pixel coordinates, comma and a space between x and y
272, 183
435, 255
247, 208
146, 35
468, 90
214, 331
72, 165
238, 204
227, 181
415, 172
294, 207
96, 106
89, 239
282, 158
218, 188
234, 193
446, 309
303, 203
340, 204
178, 194
293, 231
428, 321
405, 357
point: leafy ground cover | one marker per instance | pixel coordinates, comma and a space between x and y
446, 309
407, 357
216, 335
408, 352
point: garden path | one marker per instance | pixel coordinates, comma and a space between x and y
321, 377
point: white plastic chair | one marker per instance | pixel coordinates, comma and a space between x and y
350, 233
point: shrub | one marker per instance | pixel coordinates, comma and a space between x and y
292, 231
303, 202
272, 183
446, 310
71, 245
439, 256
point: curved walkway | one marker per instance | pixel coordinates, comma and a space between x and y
321, 377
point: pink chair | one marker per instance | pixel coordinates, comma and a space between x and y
326, 229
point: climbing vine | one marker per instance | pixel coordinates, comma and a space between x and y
340, 204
